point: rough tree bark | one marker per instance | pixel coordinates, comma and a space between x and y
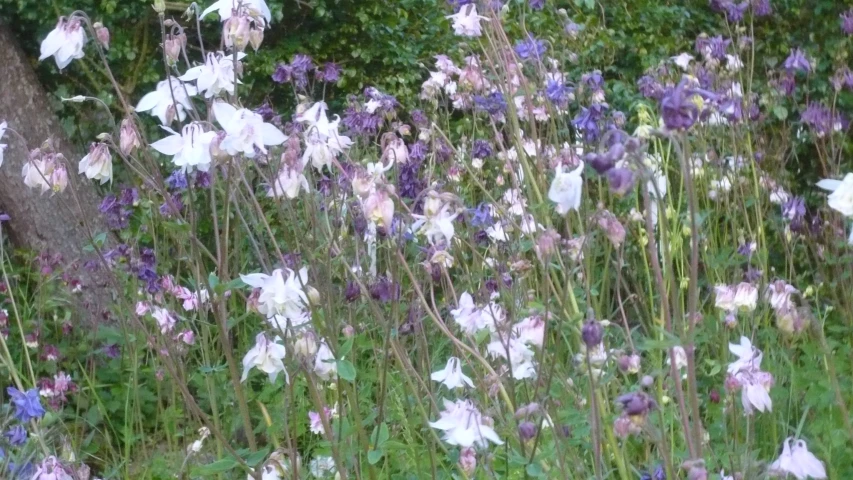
41, 222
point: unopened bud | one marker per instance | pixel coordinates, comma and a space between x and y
306, 346
128, 137
256, 37
159, 6
236, 31
75, 99
172, 47
526, 431
592, 333
104, 136
171, 113
102, 34
313, 295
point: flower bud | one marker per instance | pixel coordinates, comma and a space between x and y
592, 333
306, 346
102, 34
256, 37
468, 461
172, 47
236, 31
313, 295
348, 331
59, 178
128, 137
159, 6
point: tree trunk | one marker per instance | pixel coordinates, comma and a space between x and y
46, 222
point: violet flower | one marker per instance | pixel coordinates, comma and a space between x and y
761, 8
847, 22
797, 62
16, 436
481, 149
330, 72
537, 4
27, 404
494, 104
530, 48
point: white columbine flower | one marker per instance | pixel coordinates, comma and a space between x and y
724, 298
289, 183
517, 354
190, 149
451, 376
245, 130
322, 140
266, 356
165, 320
279, 296
98, 163
225, 8
841, 198
746, 296
161, 104
65, 42
436, 223
683, 60
779, 294
797, 460
325, 365
749, 357
566, 189
216, 75
466, 22
464, 425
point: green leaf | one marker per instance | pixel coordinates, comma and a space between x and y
534, 470
374, 456
213, 280
780, 112
218, 466
346, 370
256, 458
344, 349
383, 434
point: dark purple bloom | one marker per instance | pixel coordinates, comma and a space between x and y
301, 64
794, 209
735, 11
660, 473
283, 73
797, 62
636, 403
387, 103
420, 119
481, 216
601, 163
649, 87
594, 80
558, 93
621, 180
819, 118
116, 214
678, 110
359, 122
714, 47
352, 291
172, 206
443, 151
265, 111
587, 121
384, 290
537, 4
16, 436
592, 333
202, 180
177, 180
330, 72
787, 84
112, 350
481, 149
27, 404
530, 48
526, 430
847, 22
409, 182
417, 151
761, 8
493, 104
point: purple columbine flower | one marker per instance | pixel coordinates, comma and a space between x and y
494, 104
302, 64
330, 72
283, 73
384, 290
649, 87
735, 11
678, 110
794, 209
16, 436
847, 22
418, 151
112, 351
481, 216
531, 48
202, 180
409, 182
359, 122
718, 46
537, 4
587, 121
819, 118
621, 180
761, 8
660, 473
177, 180
443, 151
594, 80
797, 62
27, 404
481, 149
572, 29
419, 118
558, 93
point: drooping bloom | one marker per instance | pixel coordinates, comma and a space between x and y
279, 296
683, 60
215, 76
465, 426
841, 198
797, 62
266, 356
797, 460
779, 294
517, 354
466, 22
566, 189
165, 320
745, 373
451, 376
322, 141
128, 137
190, 149
746, 296
27, 404
245, 130
98, 163
289, 182
316, 420
325, 365
168, 105
65, 42
472, 318
226, 8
